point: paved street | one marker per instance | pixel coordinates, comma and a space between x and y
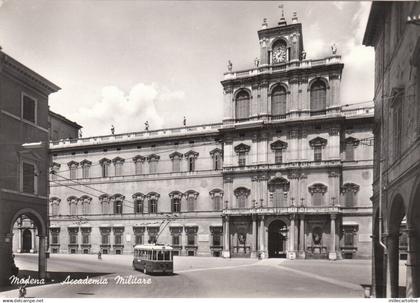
202, 277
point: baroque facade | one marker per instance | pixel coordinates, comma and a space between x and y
287, 173
393, 29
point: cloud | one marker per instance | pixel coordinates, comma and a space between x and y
359, 62
339, 4
2, 2
126, 111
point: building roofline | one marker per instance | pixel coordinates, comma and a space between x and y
376, 14
58, 116
29, 73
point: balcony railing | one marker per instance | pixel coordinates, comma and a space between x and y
268, 69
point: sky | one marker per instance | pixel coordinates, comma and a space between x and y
124, 62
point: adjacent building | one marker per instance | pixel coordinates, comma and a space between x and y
24, 157
62, 128
287, 172
393, 29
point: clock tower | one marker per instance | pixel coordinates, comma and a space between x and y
282, 43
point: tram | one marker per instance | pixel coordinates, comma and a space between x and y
153, 258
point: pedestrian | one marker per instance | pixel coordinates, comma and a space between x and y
22, 291
99, 255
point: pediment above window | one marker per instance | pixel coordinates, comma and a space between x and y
73, 164
350, 187
242, 148
317, 188
191, 194
118, 160
190, 154
278, 145
352, 141
217, 192
153, 196
72, 199
139, 158
216, 151
85, 163
153, 157
318, 141
104, 161
175, 154
118, 197
138, 196
85, 199
241, 191
104, 198
55, 165
55, 200
175, 194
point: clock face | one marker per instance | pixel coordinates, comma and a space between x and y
279, 54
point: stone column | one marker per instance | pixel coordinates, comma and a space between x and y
262, 238
254, 186
392, 271
226, 245
19, 234
254, 109
42, 259
302, 237
264, 191
33, 235
333, 252
228, 114
292, 106
254, 237
254, 149
412, 286
291, 253
333, 145
263, 100
293, 147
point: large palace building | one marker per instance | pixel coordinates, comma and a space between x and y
287, 173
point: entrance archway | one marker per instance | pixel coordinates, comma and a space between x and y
277, 236
26, 241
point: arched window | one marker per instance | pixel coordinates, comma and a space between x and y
318, 98
278, 102
242, 105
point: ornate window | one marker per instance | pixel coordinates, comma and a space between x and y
242, 150
241, 194
104, 199
217, 197
73, 205
86, 164
55, 233
153, 160
278, 147
278, 188
55, 167
73, 169
85, 235
138, 199
176, 198
138, 162
85, 204
138, 234
349, 191
191, 232
318, 144
278, 102
318, 191
318, 98
105, 167
73, 235
55, 205
191, 157
153, 202
216, 236
117, 201
349, 145
105, 232
191, 197
118, 164
349, 236
216, 155
242, 105
176, 161
118, 235
176, 233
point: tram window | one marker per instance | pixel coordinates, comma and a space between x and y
167, 255
160, 255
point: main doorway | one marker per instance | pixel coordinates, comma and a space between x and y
277, 235
26, 241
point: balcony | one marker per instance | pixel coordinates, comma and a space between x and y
293, 65
282, 210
